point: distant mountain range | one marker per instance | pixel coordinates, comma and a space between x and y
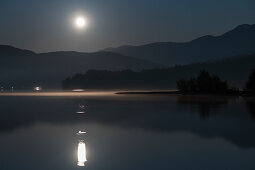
240, 40
26, 68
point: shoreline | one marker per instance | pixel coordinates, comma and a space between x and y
149, 92
105, 93
176, 92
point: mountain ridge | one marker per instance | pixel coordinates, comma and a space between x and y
237, 41
21, 67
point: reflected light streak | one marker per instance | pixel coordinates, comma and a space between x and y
80, 112
81, 132
81, 153
78, 90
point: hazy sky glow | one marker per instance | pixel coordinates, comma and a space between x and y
48, 25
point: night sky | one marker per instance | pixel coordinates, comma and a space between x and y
47, 25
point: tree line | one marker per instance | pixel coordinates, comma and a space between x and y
206, 83
128, 79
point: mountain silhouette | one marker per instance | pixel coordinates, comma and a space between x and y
238, 41
25, 68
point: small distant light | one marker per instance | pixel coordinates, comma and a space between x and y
37, 88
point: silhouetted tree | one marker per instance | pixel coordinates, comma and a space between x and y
251, 81
187, 85
203, 83
183, 85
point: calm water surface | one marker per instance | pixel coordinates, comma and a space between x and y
126, 132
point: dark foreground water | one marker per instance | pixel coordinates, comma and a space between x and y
127, 132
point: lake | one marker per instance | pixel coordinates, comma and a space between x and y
107, 131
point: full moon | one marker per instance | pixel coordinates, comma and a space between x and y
80, 22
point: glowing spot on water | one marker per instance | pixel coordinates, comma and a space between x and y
81, 154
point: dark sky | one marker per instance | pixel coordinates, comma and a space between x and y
47, 25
